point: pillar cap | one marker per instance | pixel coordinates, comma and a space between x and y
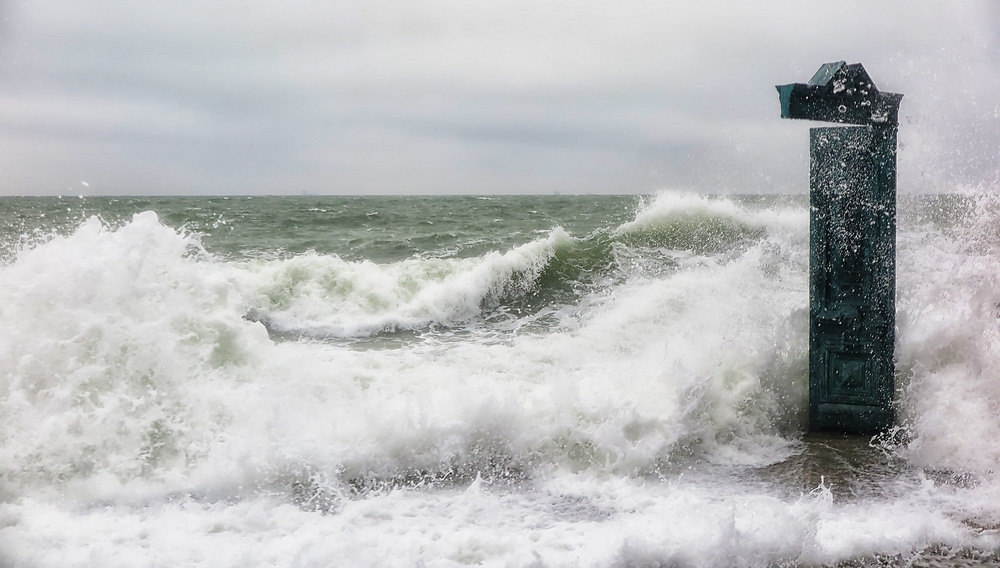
840, 92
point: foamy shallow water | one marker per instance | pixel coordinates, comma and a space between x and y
568, 520
631, 396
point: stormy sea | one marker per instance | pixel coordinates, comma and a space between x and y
511, 381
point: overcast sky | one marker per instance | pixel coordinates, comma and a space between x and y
473, 96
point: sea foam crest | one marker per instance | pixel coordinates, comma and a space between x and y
948, 317
129, 366
703, 363
326, 296
705, 225
102, 333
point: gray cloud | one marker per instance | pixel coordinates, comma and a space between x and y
455, 96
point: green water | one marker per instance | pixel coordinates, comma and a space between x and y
380, 229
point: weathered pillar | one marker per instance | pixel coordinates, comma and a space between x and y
852, 246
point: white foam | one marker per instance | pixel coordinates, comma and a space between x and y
104, 335
146, 422
118, 340
323, 295
949, 341
569, 520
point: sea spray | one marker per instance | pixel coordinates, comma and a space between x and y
325, 296
556, 397
104, 332
949, 338
149, 317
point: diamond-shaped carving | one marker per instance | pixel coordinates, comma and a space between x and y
848, 373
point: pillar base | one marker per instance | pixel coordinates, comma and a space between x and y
849, 418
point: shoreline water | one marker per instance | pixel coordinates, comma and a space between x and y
599, 381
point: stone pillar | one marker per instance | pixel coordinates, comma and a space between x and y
852, 259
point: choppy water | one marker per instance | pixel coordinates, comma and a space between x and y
449, 381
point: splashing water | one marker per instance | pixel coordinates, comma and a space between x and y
452, 381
